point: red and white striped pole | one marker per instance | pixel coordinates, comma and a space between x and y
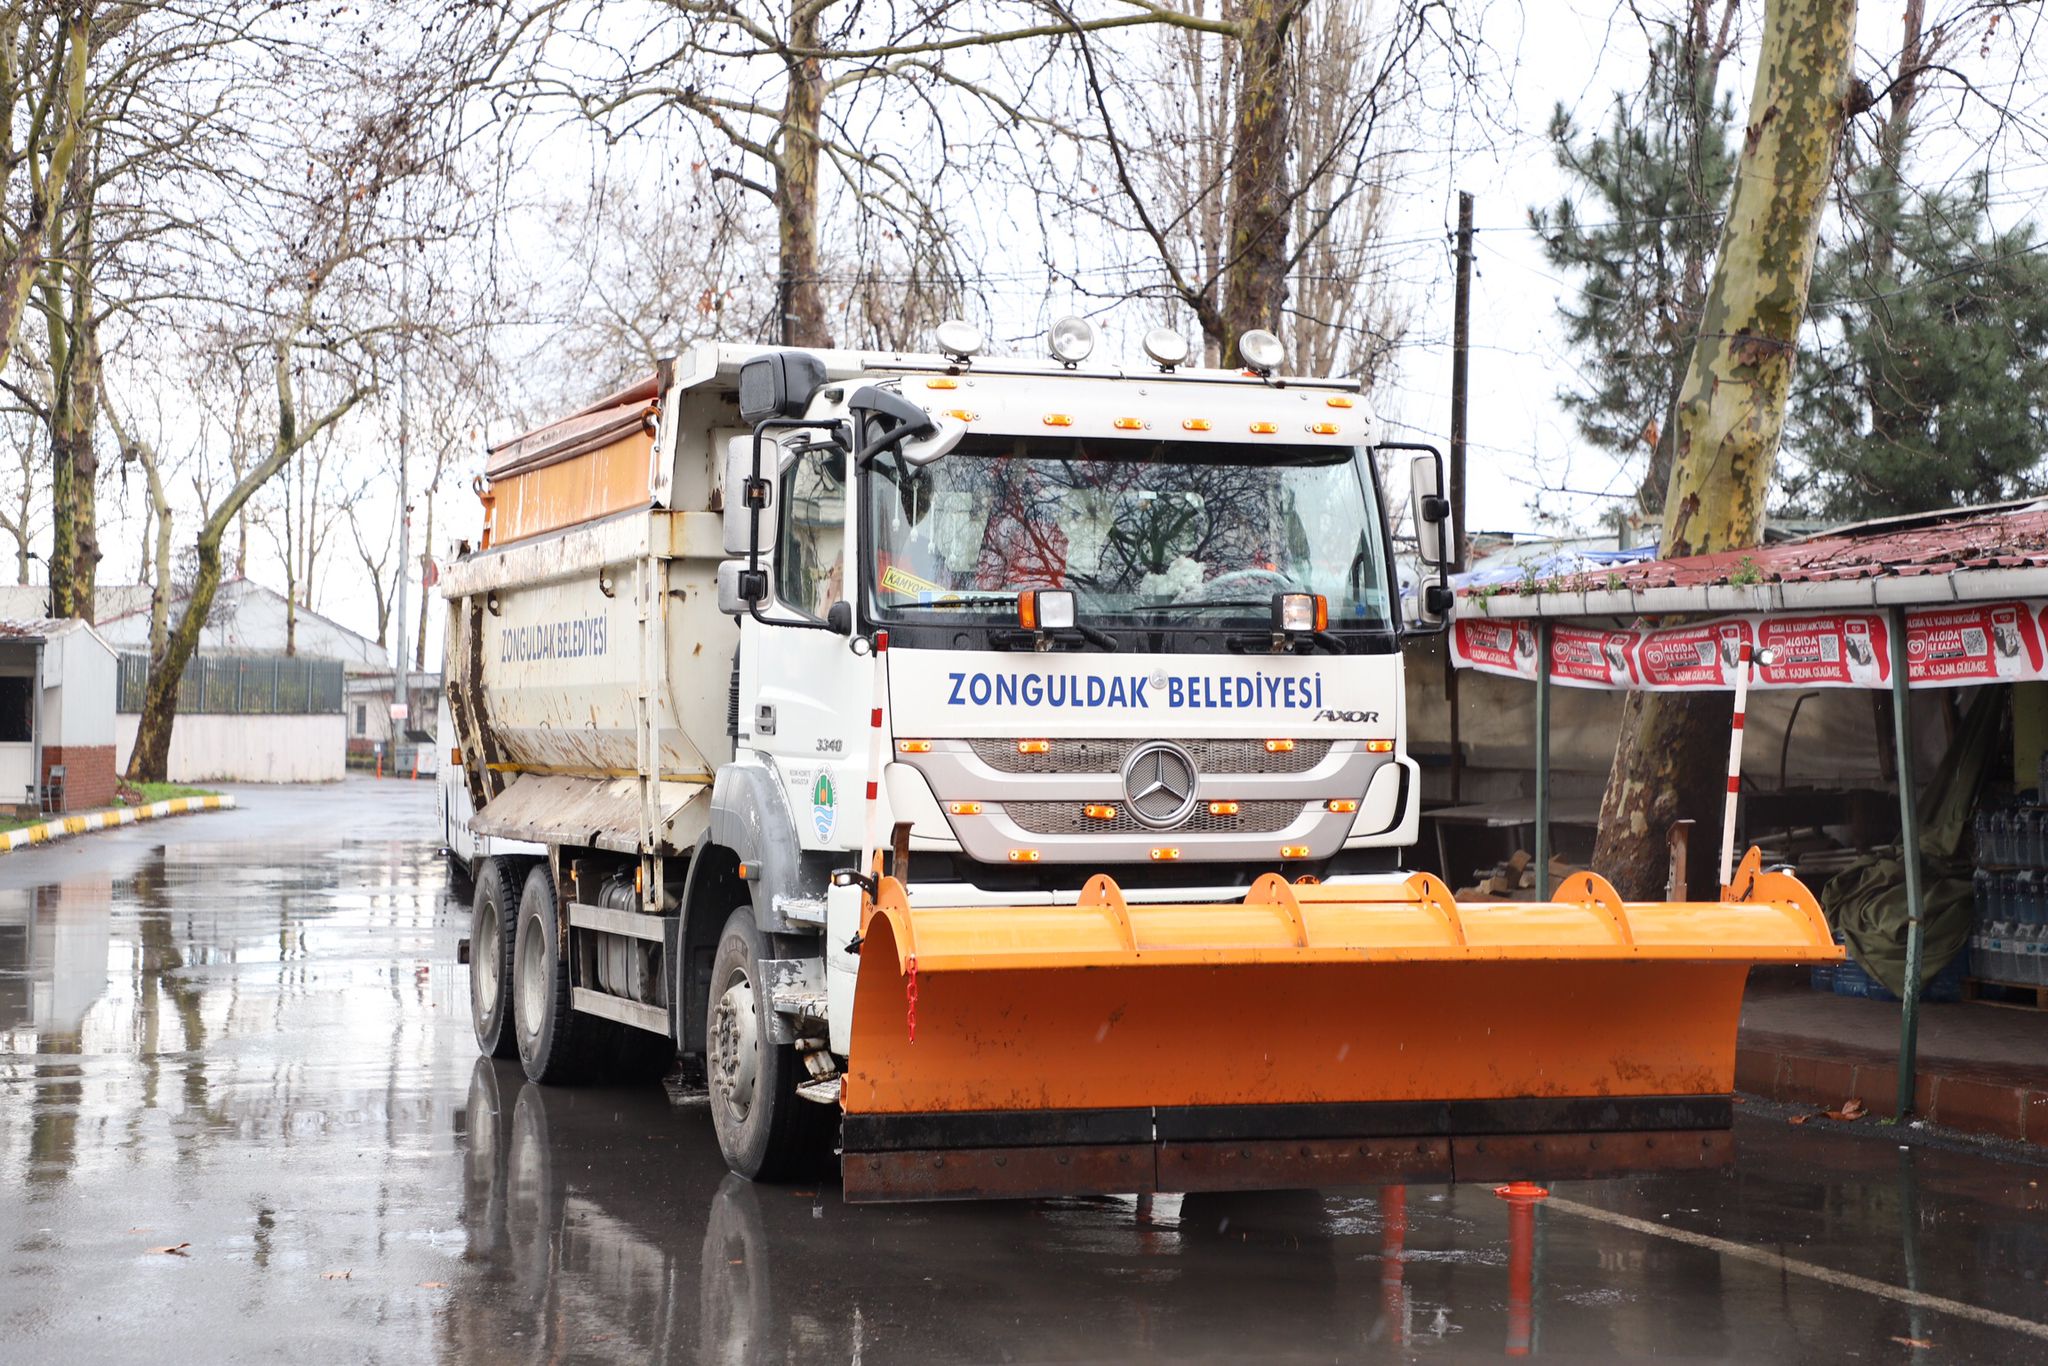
870, 837
1734, 763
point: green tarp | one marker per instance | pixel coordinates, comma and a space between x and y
1866, 902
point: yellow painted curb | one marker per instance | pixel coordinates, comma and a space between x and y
60, 826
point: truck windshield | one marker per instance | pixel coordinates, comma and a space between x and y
1145, 533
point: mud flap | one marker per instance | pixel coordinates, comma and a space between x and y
1307, 1036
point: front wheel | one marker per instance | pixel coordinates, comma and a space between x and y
766, 1131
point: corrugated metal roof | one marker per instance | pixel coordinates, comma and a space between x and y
1971, 555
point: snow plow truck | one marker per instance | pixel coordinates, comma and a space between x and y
991, 772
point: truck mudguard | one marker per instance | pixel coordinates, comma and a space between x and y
750, 817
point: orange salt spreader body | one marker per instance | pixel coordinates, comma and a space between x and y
1310, 1035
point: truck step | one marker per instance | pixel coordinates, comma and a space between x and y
801, 1003
824, 1092
802, 910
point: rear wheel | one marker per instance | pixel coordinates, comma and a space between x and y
765, 1130
556, 1045
493, 914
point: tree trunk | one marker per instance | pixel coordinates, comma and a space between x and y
1255, 274
150, 760
1667, 762
801, 288
46, 181
68, 308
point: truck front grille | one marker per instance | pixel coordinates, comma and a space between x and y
1066, 818
1107, 756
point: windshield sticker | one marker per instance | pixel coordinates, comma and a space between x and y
824, 806
896, 580
1171, 692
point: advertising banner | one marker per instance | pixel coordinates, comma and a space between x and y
1946, 647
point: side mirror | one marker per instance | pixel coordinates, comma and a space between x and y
739, 464
1431, 509
778, 384
923, 450
1433, 602
740, 590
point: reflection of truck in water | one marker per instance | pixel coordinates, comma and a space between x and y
997, 769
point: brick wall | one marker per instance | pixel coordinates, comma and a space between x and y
89, 779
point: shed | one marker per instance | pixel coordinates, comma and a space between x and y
1935, 601
57, 684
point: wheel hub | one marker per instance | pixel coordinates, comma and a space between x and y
531, 971
736, 1046
486, 958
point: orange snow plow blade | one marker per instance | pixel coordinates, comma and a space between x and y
1310, 1035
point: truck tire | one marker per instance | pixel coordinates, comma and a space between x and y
493, 913
765, 1130
557, 1047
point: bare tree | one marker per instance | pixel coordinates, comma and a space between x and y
1250, 155
45, 51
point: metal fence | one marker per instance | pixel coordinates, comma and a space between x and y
243, 685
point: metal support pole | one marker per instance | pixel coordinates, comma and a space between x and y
1461, 346
1909, 855
1543, 630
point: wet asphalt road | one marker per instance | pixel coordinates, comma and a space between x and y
244, 1037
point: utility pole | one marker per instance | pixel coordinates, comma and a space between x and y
401, 694
1461, 342
1461, 337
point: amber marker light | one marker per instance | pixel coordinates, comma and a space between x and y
1294, 851
1034, 746
1165, 855
942, 383
913, 747
455, 757
1059, 420
964, 414
1340, 401
965, 808
1023, 856
1096, 812
1279, 746
1129, 424
1341, 804
1196, 424
1265, 428
1223, 808
1323, 428
1379, 746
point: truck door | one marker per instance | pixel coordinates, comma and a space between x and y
811, 691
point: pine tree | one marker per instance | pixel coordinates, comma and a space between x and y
1652, 183
1928, 387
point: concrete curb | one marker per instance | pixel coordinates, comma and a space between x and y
1994, 1099
46, 831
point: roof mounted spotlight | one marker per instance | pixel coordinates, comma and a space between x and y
958, 339
1166, 348
1071, 340
1260, 350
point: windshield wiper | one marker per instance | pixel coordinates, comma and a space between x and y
1265, 605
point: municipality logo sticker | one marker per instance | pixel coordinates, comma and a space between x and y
824, 806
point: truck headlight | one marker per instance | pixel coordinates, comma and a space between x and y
1045, 609
1298, 612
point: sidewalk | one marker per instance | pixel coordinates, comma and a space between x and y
1981, 1068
